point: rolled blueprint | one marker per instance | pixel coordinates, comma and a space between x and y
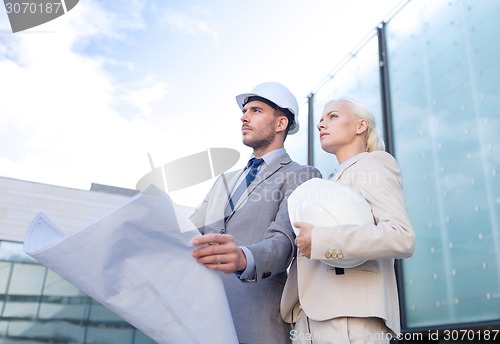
136, 260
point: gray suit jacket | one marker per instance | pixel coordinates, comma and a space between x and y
260, 222
368, 290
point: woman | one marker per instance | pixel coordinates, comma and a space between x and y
359, 304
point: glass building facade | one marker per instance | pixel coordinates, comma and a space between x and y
38, 306
445, 100
430, 74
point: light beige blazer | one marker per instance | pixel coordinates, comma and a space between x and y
368, 290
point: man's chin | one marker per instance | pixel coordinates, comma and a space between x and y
252, 143
247, 143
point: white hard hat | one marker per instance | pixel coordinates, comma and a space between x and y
325, 203
277, 94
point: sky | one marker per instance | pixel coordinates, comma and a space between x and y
86, 97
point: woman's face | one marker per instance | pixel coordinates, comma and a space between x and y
338, 127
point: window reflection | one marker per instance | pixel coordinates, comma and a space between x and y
445, 106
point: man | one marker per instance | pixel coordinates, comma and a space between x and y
247, 231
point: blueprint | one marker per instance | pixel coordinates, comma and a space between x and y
136, 260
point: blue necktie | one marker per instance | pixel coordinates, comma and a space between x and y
253, 165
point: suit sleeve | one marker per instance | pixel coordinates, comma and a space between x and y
378, 179
274, 254
198, 216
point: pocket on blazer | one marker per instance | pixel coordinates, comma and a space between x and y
370, 266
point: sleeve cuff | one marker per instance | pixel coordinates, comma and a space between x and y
249, 273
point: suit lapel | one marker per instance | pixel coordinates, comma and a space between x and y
354, 160
229, 184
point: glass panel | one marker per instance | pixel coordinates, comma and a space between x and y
443, 59
100, 313
64, 311
55, 285
55, 332
4, 326
357, 79
5, 269
141, 338
109, 335
13, 252
27, 279
20, 307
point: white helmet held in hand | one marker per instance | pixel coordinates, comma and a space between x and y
278, 95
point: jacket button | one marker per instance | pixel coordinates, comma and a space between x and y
334, 255
328, 255
340, 255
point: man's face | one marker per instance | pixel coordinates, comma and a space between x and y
259, 125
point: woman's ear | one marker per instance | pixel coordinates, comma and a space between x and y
362, 126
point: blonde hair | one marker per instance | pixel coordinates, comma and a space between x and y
373, 141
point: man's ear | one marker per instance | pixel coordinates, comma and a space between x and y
362, 126
282, 124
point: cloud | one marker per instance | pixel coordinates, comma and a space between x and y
191, 24
59, 122
106, 19
140, 95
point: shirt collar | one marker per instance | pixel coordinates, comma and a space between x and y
271, 156
343, 165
